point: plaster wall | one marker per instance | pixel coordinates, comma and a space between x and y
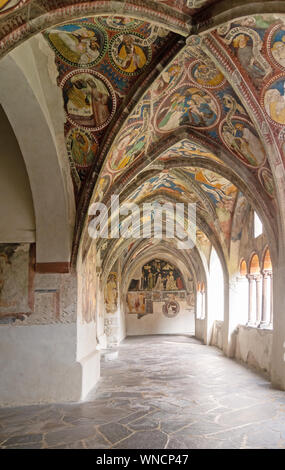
16, 202
217, 334
38, 364
158, 323
254, 347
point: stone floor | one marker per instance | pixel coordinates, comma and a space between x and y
160, 392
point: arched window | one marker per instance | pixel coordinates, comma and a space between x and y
243, 268
258, 227
255, 292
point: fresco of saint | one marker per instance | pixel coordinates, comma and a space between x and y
244, 52
274, 101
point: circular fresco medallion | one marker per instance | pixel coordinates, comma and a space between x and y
8, 5
206, 75
82, 147
276, 45
89, 99
78, 44
116, 23
127, 148
129, 53
242, 140
171, 309
187, 105
273, 100
266, 179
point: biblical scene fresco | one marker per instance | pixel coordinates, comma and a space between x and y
193, 93
221, 192
98, 61
162, 182
186, 149
158, 275
79, 45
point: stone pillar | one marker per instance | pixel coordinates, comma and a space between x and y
271, 300
258, 285
265, 315
251, 301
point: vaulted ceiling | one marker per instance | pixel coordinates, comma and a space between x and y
166, 101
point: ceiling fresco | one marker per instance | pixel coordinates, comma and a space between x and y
98, 62
182, 108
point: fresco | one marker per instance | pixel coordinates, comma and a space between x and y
136, 302
164, 181
79, 45
8, 5
160, 275
14, 278
168, 79
221, 192
89, 285
98, 61
242, 139
170, 309
187, 149
82, 147
277, 45
206, 74
128, 147
129, 53
186, 105
119, 23
274, 101
266, 179
111, 293
89, 100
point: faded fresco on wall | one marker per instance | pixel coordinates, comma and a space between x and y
136, 302
89, 286
111, 293
14, 278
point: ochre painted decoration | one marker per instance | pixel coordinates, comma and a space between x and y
82, 147
89, 99
187, 105
78, 44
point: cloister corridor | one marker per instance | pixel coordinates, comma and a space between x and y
159, 392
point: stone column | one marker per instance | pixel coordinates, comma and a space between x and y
271, 300
251, 301
258, 284
265, 298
